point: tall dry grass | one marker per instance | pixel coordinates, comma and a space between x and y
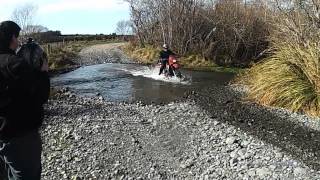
145, 55
289, 78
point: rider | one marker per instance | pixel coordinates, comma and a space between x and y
164, 57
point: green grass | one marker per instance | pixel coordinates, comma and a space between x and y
290, 78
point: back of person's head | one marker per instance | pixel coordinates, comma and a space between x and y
33, 54
8, 29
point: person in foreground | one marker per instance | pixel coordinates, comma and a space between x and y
164, 57
24, 88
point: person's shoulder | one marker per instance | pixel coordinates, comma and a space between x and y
17, 65
6, 59
16, 60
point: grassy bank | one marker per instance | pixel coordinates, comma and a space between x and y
150, 55
63, 55
289, 78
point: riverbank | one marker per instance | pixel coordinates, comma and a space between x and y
66, 58
91, 138
150, 55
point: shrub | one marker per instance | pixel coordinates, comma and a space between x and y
289, 78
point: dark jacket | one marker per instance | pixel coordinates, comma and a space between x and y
165, 54
23, 91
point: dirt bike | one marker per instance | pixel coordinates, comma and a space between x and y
172, 68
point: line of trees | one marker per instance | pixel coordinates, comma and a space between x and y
229, 32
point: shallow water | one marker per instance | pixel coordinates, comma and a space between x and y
132, 82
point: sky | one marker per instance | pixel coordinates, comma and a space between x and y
73, 16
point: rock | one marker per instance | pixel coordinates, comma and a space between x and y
262, 172
267, 158
233, 162
252, 172
233, 154
272, 167
215, 122
206, 128
75, 178
187, 164
245, 143
230, 140
278, 155
242, 153
299, 171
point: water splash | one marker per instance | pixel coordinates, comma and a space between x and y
153, 73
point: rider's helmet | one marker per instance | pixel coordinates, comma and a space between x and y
165, 46
33, 54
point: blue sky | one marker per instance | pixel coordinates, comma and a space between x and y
73, 16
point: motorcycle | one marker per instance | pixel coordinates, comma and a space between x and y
172, 68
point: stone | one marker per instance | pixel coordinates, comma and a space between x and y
299, 171
278, 155
262, 172
245, 143
242, 153
187, 164
233, 154
215, 123
272, 167
252, 172
230, 140
233, 162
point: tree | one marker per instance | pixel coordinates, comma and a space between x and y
124, 28
33, 29
227, 31
24, 16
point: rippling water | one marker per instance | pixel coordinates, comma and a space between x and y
131, 82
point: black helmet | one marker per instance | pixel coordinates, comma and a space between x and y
33, 54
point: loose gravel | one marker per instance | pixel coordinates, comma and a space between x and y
210, 134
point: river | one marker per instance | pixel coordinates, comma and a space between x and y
132, 82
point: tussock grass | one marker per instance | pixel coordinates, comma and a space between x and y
289, 78
146, 55
196, 61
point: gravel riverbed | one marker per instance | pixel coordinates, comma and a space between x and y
210, 134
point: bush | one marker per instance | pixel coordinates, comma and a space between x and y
289, 78
226, 32
241, 34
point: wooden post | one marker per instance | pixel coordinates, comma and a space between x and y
48, 49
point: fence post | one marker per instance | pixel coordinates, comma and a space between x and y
48, 49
